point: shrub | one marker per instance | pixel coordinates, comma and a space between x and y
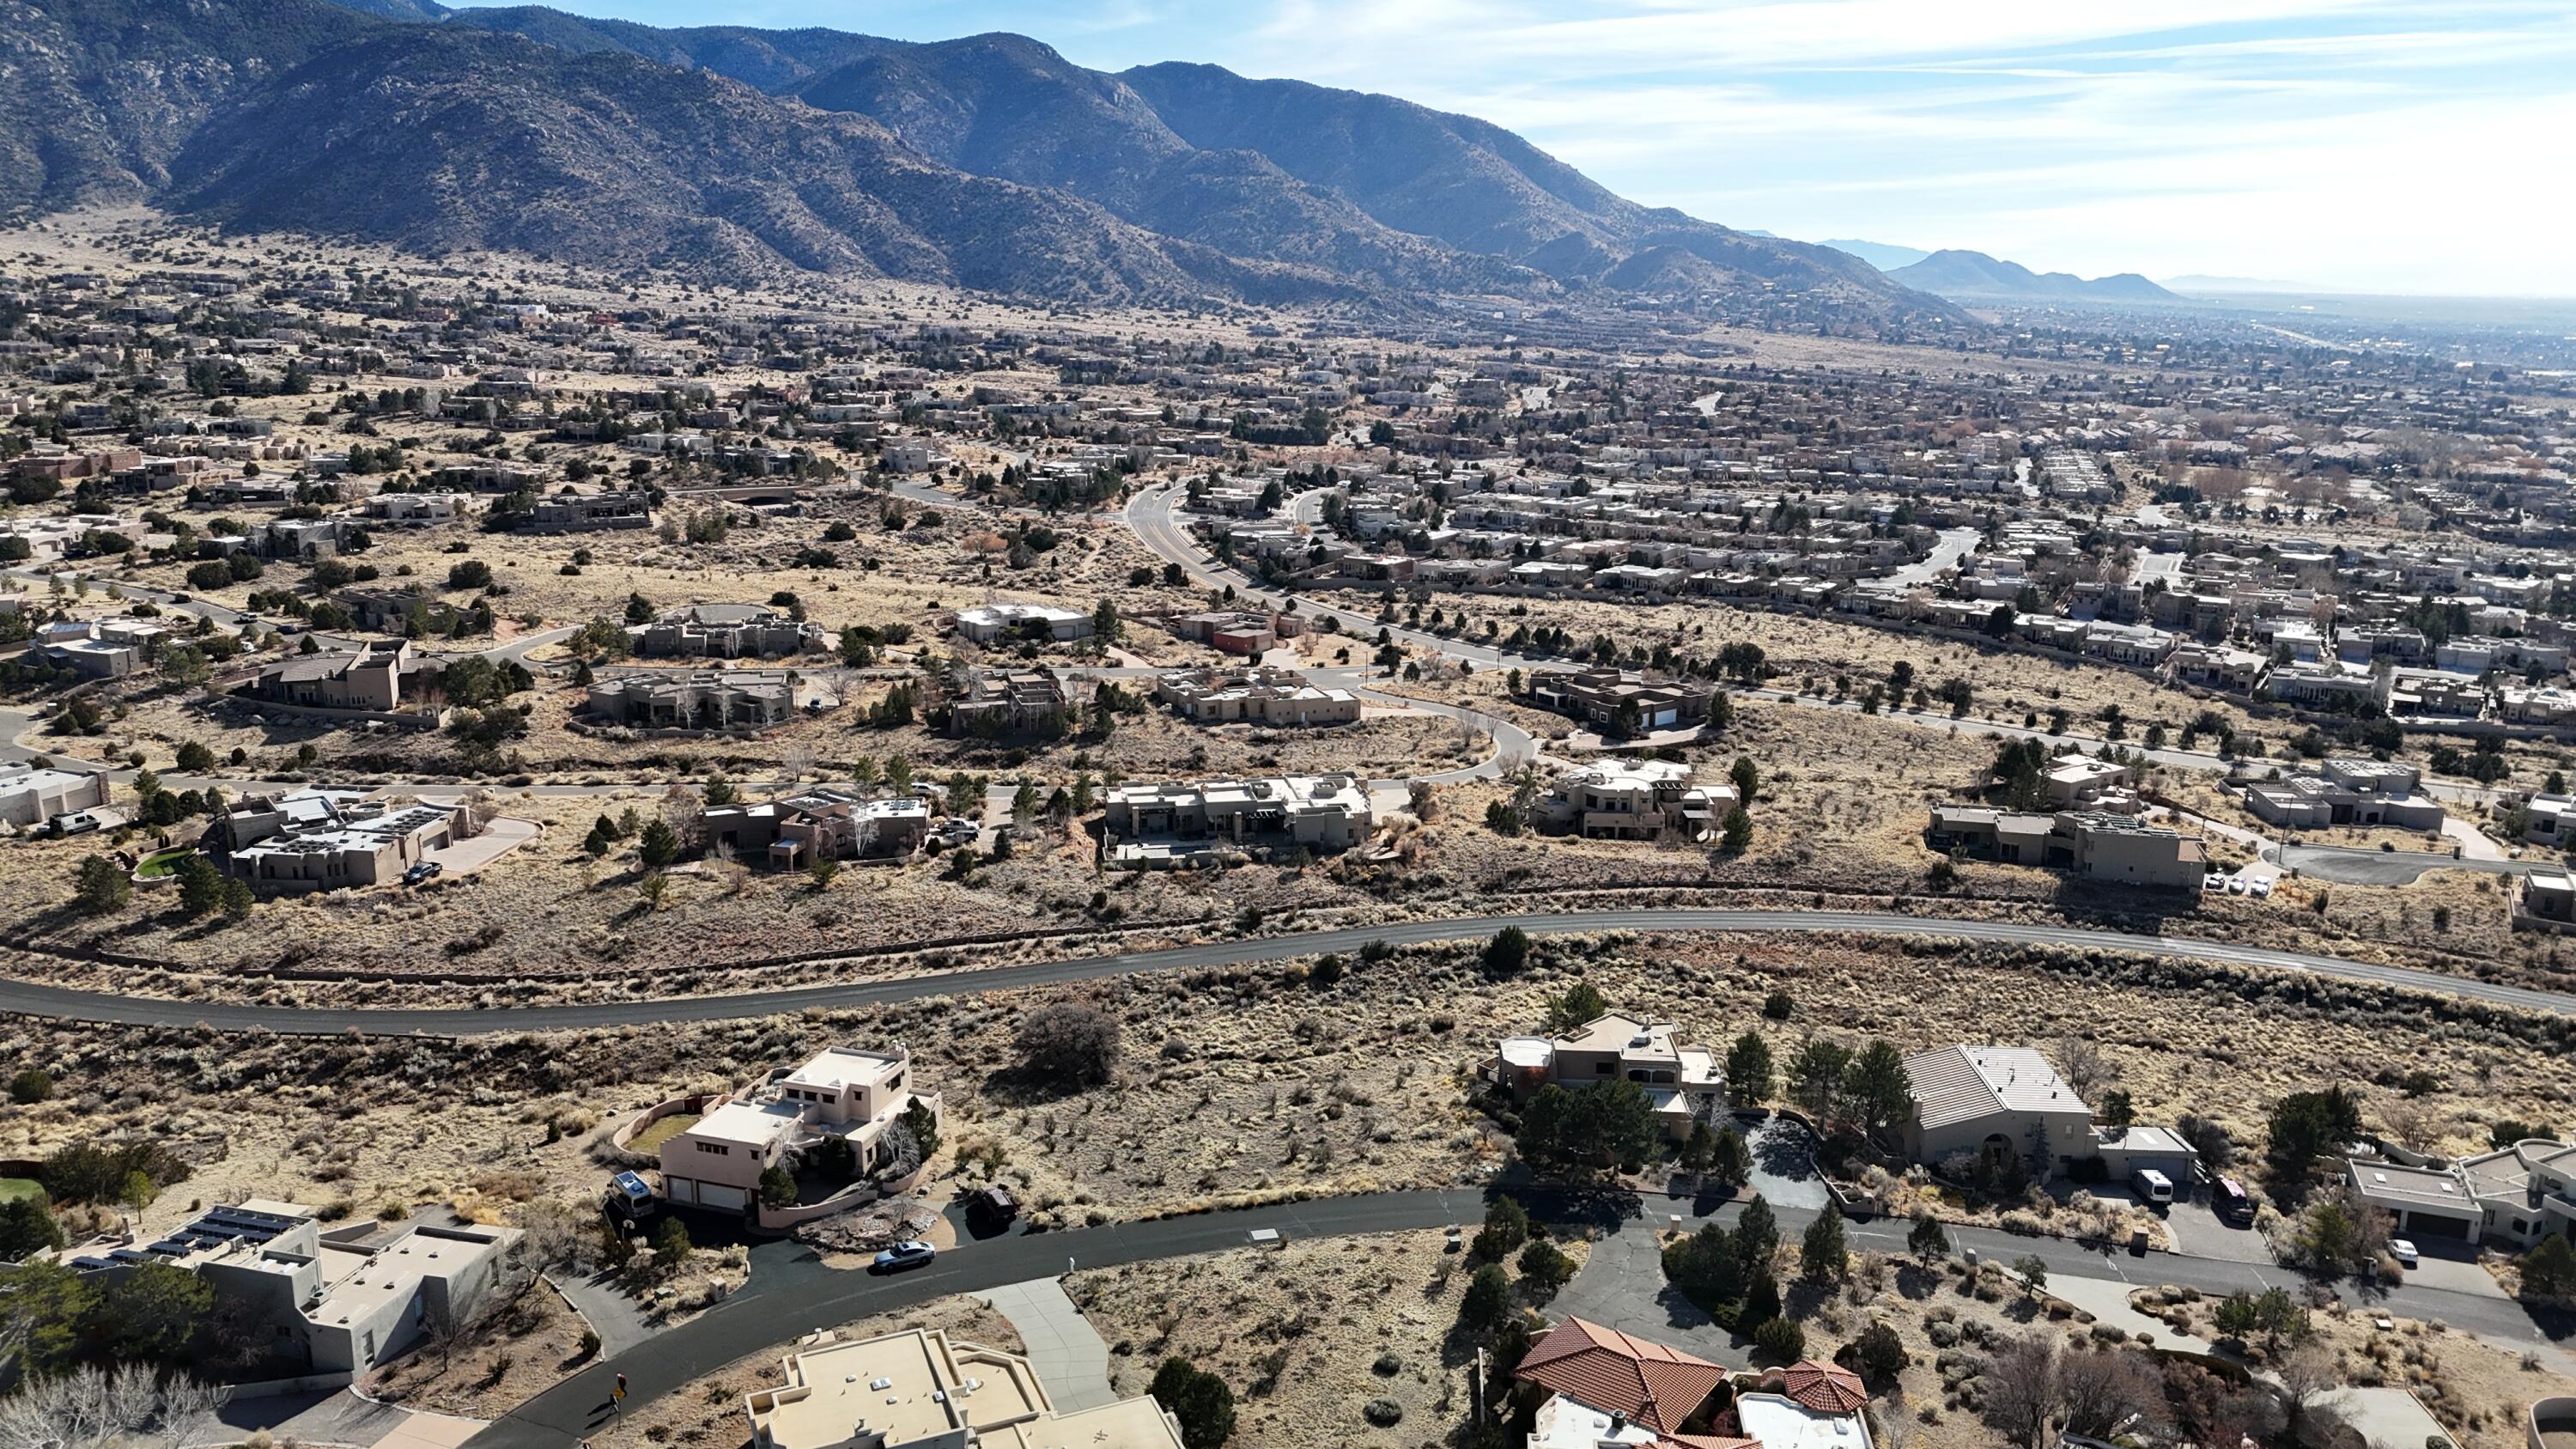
1385, 1413
1069, 1044
1507, 953
1780, 1340
1544, 1267
92, 1172
1877, 1353
32, 1085
1199, 1399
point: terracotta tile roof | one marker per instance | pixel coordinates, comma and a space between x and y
1618, 1374
1704, 1441
1826, 1388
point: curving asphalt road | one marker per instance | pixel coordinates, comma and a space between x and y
792, 1293
23, 998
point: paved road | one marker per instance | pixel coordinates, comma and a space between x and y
792, 1295
767, 1317
26, 998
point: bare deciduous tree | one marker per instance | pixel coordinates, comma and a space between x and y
2025, 1390
2081, 1063
92, 1407
2106, 1389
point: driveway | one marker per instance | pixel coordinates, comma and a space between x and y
2198, 1231
465, 857
2455, 1275
612, 1313
1067, 1354
2390, 1418
1784, 1166
342, 1417
1622, 1285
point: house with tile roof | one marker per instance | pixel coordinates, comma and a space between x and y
1808, 1405
1646, 1389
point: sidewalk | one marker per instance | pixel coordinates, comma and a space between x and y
1069, 1357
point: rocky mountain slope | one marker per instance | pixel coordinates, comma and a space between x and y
987, 162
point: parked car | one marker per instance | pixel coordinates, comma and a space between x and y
2259, 889
425, 870
2404, 1252
906, 1254
993, 1205
959, 831
2236, 885
629, 1196
2214, 881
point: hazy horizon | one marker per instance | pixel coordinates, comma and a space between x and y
2272, 138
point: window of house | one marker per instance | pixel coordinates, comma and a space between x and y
1603, 1069
718, 1148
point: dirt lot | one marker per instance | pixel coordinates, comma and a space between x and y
1306, 1336
2477, 1390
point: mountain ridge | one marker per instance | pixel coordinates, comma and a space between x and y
988, 162
1958, 273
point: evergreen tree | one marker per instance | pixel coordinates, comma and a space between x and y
1822, 1257
1748, 1070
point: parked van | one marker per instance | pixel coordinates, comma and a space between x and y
2229, 1199
2151, 1186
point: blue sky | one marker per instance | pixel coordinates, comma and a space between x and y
2368, 146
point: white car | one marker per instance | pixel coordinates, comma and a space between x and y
2404, 1252
2236, 885
2216, 880
2259, 888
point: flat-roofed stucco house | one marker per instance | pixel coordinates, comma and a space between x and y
920, 1389
1684, 1083
337, 1306
369, 677
32, 796
1175, 824
727, 631
991, 623
846, 1092
1622, 799
1257, 694
2513, 1197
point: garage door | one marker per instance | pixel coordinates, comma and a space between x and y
679, 1189
2426, 1225
722, 1198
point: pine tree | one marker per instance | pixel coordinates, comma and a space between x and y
1822, 1257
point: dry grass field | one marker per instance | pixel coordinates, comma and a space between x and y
1244, 1084
1307, 1336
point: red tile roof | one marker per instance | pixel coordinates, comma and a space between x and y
1824, 1387
1704, 1441
1617, 1374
